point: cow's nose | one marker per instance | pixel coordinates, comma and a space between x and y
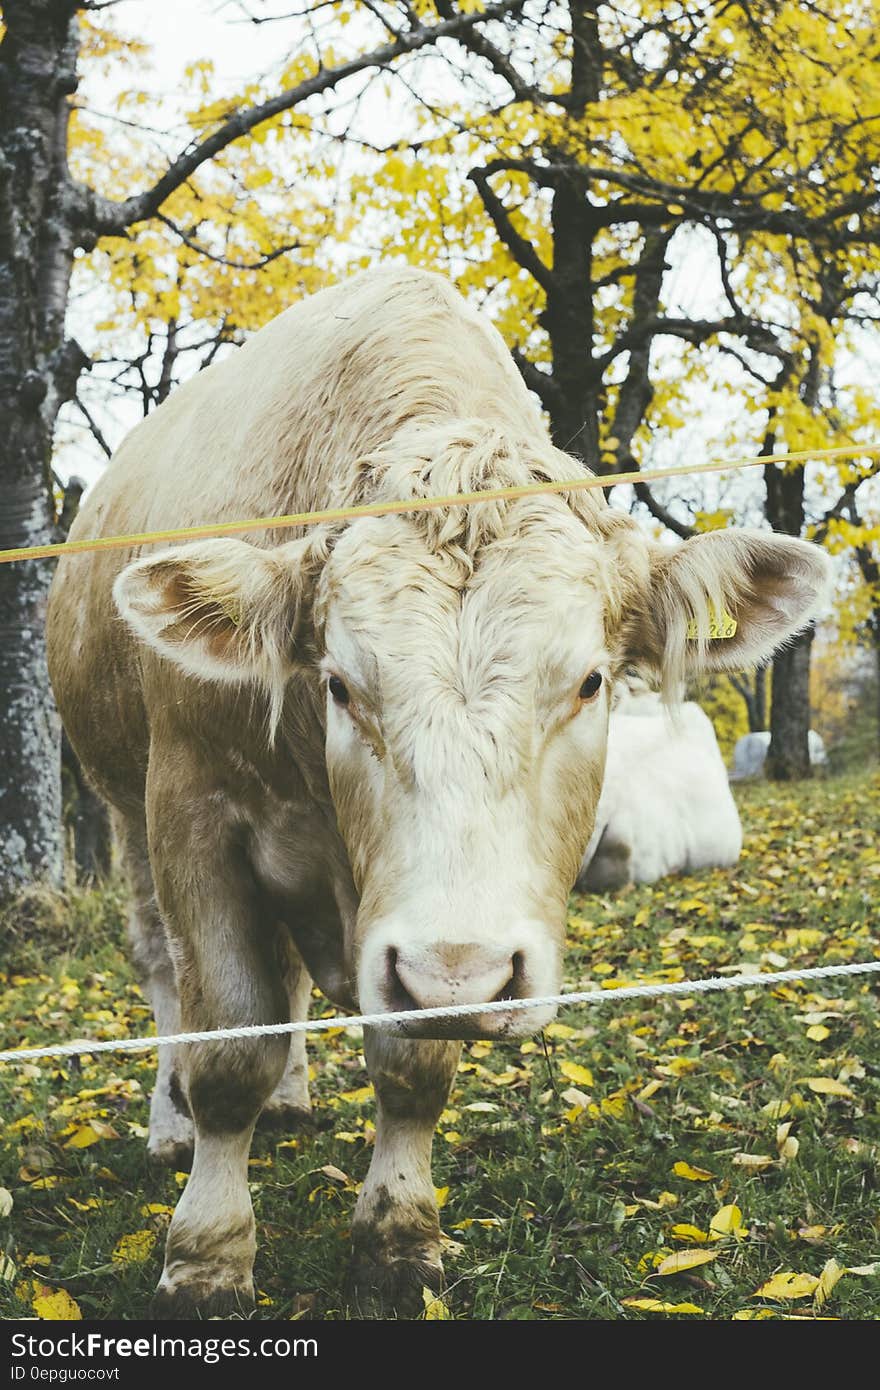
430, 977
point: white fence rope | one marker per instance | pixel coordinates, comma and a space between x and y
715, 983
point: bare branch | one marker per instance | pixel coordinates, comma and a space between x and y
93, 426
478, 43
522, 251
846, 502
542, 383
105, 217
662, 514
189, 240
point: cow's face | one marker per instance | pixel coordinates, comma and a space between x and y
467, 693
467, 716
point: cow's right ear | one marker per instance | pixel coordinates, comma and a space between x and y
722, 601
220, 609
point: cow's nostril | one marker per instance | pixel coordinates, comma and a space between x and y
399, 997
514, 988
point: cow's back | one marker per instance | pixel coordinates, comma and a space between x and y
277, 427
666, 806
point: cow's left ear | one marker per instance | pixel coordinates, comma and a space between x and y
222, 610
723, 601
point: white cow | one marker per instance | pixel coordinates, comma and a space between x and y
750, 754
665, 806
368, 754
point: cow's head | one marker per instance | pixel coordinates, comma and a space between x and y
467, 671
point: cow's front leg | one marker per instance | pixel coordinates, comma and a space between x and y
396, 1230
209, 1254
229, 976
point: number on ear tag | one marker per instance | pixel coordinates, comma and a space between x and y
721, 625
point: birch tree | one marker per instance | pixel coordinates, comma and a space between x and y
50, 215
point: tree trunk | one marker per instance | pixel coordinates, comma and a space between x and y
875, 632
753, 689
788, 756
37, 74
760, 702
568, 316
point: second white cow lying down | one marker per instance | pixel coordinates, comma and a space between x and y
666, 806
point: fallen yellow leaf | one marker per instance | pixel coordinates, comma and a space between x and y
786, 1144
811, 1233
335, 1174
134, 1247
559, 1030
614, 1105
435, 1309
687, 1170
650, 1089
86, 1134
573, 1071
827, 1086
686, 1259
656, 1305
665, 1199
56, 1305
579, 1100
788, 1285
775, 1110
831, 1273
727, 1221
682, 1231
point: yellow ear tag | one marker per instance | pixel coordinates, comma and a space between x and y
721, 625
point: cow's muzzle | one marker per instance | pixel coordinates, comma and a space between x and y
442, 975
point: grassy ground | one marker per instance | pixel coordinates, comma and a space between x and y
567, 1185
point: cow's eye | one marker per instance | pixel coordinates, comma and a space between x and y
591, 686
339, 690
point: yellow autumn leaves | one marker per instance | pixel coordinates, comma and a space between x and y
753, 1229
56, 1305
83, 1136
134, 1247
788, 1284
782, 1287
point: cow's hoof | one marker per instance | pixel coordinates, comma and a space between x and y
176, 1154
393, 1288
202, 1300
291, 1119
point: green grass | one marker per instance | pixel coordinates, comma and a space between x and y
559, 1206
